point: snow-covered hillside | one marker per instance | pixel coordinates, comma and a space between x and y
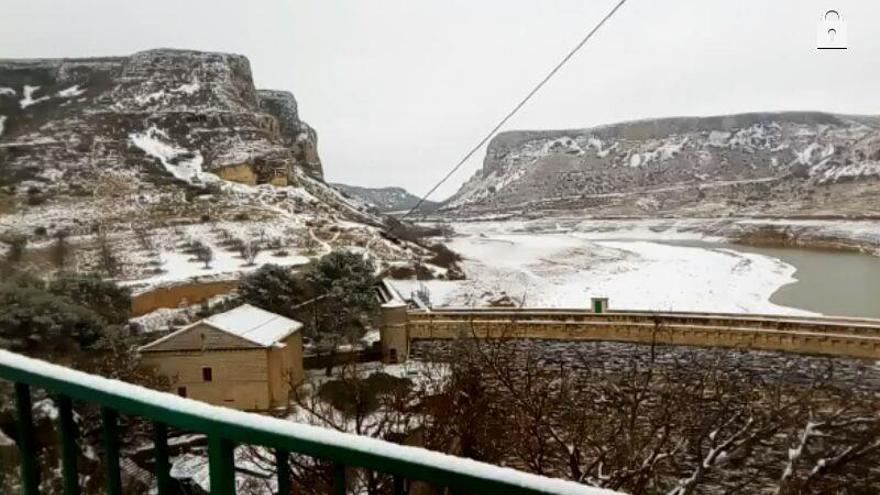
784, 162
132, 161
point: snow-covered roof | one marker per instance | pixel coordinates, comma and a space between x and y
387, 292
251, 323
254, 324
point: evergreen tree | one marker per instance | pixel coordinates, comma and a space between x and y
346, 282
108, 300
35, 321
273, 288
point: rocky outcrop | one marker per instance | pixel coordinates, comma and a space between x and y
185, 112
296, 134
780, 163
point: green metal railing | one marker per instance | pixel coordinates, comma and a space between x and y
226, 428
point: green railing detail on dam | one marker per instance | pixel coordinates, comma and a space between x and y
227, 428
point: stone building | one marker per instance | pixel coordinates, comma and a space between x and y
245, 358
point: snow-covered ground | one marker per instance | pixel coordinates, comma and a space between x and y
182, 266
634, 268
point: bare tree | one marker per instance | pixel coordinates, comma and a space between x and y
655, 420
366, 402
145, 238
641, 419
307, 240
107, 258
17, 248
60, 252
205, 254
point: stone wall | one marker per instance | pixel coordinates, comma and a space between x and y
243, 173
177, 295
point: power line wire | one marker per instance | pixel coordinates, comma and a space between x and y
518, 107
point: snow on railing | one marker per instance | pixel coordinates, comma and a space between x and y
227, 427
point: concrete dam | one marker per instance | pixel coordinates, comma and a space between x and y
831, 336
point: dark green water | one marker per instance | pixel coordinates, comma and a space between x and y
828, 282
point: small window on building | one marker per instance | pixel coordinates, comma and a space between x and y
207, 374
181, 391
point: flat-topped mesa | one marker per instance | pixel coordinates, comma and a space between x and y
162, 107
789, 162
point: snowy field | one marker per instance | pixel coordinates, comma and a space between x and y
636, 270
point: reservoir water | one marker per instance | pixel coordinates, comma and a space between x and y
834, 283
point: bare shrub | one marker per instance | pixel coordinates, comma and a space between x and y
249, 249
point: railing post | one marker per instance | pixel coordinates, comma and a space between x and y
111, 451
69, 453
282, 468
399, 485
27, 446
338, 478
160, 446
221, 467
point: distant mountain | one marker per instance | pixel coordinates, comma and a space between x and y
386, 199
774, 163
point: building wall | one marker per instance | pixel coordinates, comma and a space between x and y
285, 368
240, 378
279, 181
202, 337
394, 333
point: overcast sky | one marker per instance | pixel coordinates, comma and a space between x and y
399, 90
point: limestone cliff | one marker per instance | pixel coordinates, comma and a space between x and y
158, 109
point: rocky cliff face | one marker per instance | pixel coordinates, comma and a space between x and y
782, 163
190, 113
294, 133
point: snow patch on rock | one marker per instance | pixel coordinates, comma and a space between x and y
183, 164
188, 89
71, 92
852, 171
29, 99
718, 138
